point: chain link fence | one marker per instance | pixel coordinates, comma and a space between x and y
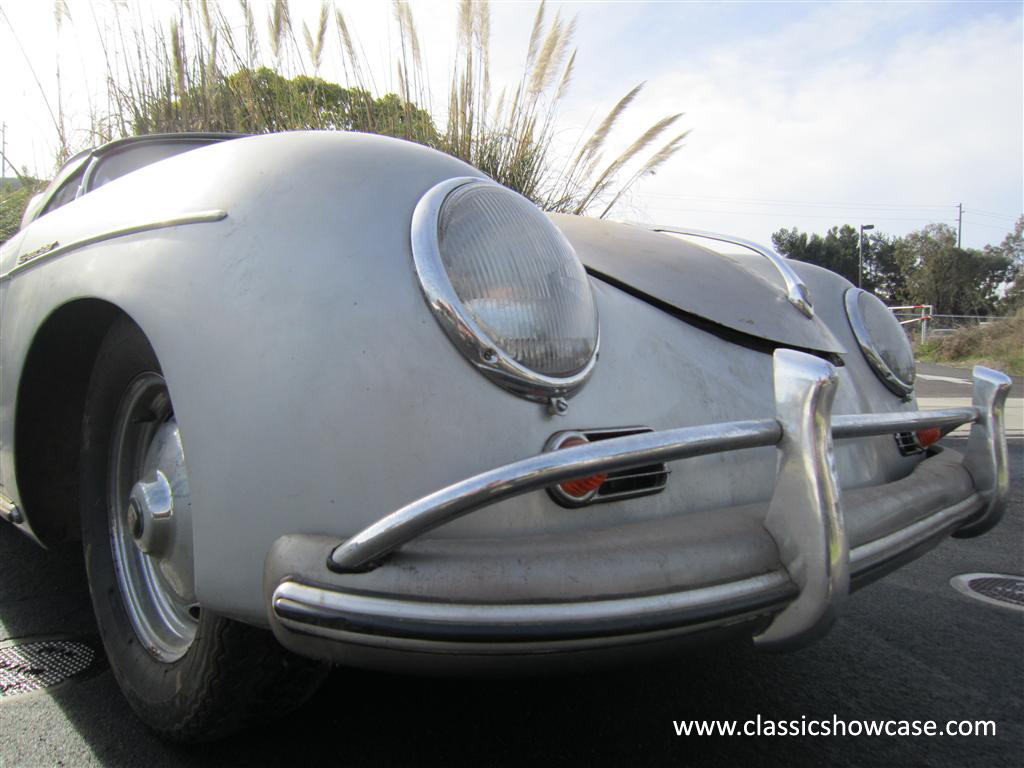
922, 323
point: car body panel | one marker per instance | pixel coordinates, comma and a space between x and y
314, 391
691, 278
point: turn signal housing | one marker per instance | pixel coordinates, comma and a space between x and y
578, 491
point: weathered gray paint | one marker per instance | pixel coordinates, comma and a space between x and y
695, 280
314, 391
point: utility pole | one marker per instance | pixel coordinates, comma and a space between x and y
959, 222
3, 162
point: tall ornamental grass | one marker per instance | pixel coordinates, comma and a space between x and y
201, 71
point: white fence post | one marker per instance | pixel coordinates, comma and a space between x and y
924, 317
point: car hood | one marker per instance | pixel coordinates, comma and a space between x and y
742, 293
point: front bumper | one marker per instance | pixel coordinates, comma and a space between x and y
783, 568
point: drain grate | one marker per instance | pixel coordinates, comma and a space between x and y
34, 665
994, 588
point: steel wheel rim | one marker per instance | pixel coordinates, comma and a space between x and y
144, 431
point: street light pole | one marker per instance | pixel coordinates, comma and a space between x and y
860, 253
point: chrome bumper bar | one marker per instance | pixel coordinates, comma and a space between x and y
338, 614
804, 516
313, 610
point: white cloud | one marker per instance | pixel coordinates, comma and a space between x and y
819, 112
900, 103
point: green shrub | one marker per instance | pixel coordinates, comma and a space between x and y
201, 73
12, 205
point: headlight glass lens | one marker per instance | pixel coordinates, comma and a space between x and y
506, 286
882, 340
518, 278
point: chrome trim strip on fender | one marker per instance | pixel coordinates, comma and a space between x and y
198, 217
796, 289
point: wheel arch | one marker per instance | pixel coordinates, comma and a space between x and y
48, 415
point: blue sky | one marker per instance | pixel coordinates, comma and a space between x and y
699, 27
802, 114
904, 109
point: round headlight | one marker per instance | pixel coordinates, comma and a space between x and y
506, 286
882, 340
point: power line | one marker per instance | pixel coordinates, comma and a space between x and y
817, 203
3, 163
778, 214
976, 212
1000, 227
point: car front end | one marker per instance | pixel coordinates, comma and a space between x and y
817, 476
350, 390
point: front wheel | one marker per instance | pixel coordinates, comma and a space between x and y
188, 673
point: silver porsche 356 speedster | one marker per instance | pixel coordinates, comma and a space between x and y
351, 391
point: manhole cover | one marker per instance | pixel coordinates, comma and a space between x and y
994, 588
30, 666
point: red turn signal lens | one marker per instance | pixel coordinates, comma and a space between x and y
927, 437
582, 488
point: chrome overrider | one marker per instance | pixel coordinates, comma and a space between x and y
805, 519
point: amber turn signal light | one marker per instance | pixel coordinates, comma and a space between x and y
926, 437
577, 491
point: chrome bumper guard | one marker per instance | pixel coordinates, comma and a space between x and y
804, 516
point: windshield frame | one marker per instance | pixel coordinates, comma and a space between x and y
92, 157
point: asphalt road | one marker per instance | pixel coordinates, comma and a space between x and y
936, 381
907, 648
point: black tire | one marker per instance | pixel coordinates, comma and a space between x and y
232, 674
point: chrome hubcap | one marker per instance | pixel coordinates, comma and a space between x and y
151, 520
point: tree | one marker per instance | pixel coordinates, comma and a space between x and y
954, 280
886, 272
924, 267
838, 251
1012, 248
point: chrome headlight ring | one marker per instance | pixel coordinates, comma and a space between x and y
469, 335
898, 379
